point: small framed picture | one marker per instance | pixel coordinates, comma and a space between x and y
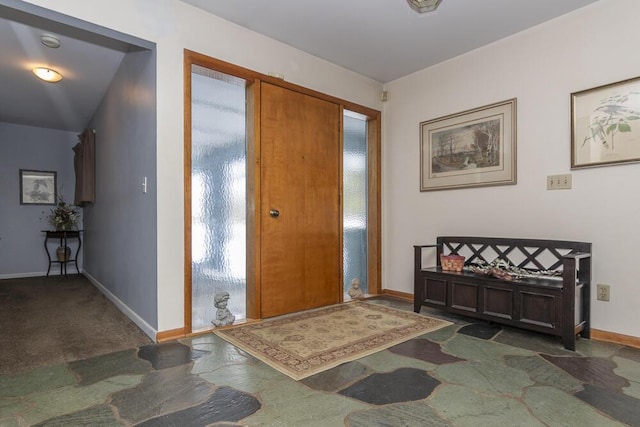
605, 125
38, 187
472, 148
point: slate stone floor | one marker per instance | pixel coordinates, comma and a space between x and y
467, 374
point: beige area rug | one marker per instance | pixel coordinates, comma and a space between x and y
306, 343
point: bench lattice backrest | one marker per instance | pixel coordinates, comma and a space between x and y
531, 254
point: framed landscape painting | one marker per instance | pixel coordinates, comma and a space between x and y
605, 125
37, 187
469, 149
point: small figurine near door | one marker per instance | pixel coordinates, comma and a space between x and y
355, 292
223, 315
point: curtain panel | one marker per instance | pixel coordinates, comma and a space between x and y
84, 163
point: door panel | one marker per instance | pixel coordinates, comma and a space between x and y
300, 178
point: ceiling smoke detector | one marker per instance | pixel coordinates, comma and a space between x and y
424, 6
50, 41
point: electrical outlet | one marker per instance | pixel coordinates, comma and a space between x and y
603, 292
559, 182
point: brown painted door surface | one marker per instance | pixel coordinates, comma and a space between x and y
300, 247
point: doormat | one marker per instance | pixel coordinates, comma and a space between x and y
303, 344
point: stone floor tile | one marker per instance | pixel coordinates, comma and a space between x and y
392, 302
629, 353
617, 405
451, 317
591, 370
97, 416
11, 407
219, 354
251, 378
490, 377
225, 405
633, 390
470, 348
162, 392
337, 378
627, 368
37, 380
211, 343
442, 334
412, 414
540, 343
169, 354
290, 403
464, 407
482, 330
549, 405
426, 311
9, 422
95, 369
595, 348
401, 385
423, 349
200, 342
544, 373
69, 399
386, 361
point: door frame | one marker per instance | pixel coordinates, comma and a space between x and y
253, 80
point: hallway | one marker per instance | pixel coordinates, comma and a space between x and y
51, 320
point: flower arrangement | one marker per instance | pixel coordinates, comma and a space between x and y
64, 216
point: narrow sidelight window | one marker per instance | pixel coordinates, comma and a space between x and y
355, 200
218, 202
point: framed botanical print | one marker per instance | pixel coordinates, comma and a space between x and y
605, 125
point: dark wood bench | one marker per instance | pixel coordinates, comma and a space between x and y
559, 306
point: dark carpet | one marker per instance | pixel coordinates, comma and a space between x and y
51, 320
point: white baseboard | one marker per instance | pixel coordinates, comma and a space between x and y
21, 275
146, 328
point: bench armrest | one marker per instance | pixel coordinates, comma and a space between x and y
577, 255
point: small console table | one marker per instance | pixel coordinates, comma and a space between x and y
64, 237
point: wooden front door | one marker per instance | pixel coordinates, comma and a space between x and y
300, 164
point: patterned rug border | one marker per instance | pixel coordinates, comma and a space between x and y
299, 368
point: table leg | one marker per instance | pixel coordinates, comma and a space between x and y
46, 249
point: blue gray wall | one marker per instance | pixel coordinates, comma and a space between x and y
21, 240
120, 228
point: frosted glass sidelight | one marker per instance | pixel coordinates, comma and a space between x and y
218, 193
355, 200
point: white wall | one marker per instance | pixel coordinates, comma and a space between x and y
175, 26
541, 67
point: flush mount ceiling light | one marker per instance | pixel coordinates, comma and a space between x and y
47, 74
424, 6
50, 41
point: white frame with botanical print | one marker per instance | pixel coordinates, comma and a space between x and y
38, 187
605, 125
473, 148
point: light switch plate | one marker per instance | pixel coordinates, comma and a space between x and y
559, 182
